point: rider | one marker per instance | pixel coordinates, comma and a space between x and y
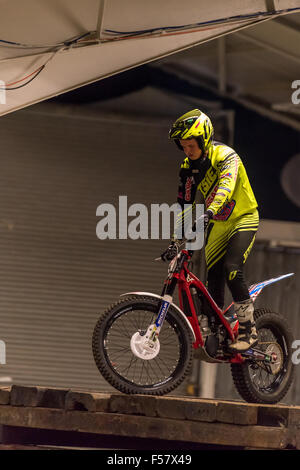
231, 215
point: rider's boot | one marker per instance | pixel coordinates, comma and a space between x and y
247, 336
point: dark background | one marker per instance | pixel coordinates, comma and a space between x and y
263, 144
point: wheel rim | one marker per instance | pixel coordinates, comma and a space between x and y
127, 366
268, 378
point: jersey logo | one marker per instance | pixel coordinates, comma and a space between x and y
228, 175
209, 179
188, 188
210, 198
226, 211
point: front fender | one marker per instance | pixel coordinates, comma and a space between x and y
150, 294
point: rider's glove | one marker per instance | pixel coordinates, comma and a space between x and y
171, 251
206, 218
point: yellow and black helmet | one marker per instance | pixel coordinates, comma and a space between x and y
194, 124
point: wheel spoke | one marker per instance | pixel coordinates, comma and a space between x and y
261, 373
146, 372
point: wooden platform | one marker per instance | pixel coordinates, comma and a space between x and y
139, 418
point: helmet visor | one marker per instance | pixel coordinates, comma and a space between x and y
180, 128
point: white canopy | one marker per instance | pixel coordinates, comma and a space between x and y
53, 46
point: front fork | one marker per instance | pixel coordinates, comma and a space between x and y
154, 329
167, 295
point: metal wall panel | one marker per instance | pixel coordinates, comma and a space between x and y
57, 276
264, 263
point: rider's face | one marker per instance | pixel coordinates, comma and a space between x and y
191, 148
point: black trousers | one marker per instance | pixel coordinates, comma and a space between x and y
229, 269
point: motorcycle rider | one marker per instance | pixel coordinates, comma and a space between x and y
231, 215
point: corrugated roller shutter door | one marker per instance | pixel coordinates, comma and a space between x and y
57, 276
283, 297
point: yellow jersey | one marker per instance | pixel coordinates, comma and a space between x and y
222, 179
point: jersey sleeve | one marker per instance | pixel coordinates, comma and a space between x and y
185, 204
228, 170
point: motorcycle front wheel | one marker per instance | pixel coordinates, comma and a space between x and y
115, 347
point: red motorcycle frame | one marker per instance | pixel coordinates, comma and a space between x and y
185, 280
199, 328
181, 276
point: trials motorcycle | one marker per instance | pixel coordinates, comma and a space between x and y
145, 343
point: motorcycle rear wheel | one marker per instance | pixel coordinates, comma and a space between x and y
256, 382
125, 371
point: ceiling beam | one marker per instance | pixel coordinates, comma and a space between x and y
222, 69
190, 75
101, 13
270, 5
269, 47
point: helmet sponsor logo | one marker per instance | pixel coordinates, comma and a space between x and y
205, 129
176, 132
